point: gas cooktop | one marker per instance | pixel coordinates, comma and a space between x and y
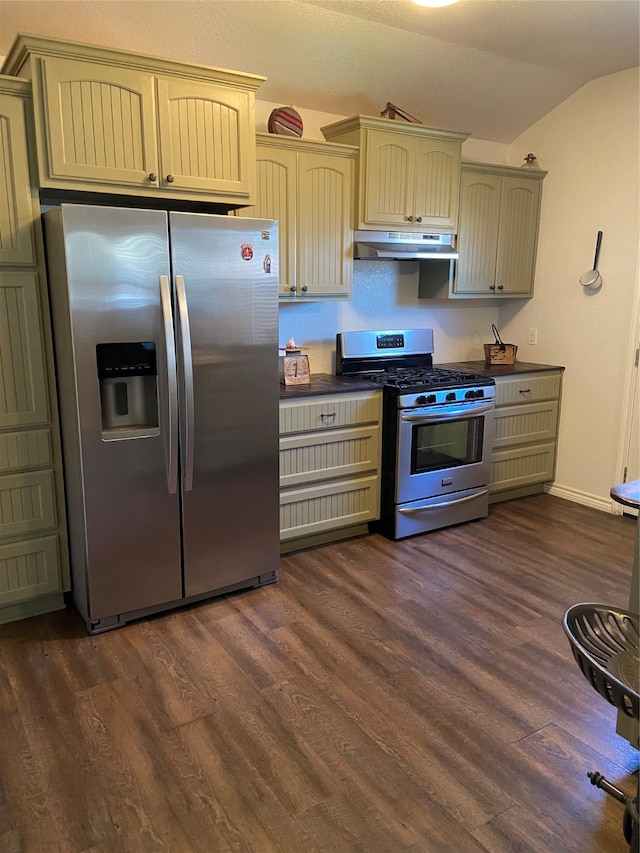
424, 378
399, 360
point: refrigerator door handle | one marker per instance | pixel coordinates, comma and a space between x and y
172, 386
187, 367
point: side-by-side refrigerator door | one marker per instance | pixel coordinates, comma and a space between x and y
225, 279
111, 299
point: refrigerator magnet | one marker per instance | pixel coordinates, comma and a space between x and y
247, 251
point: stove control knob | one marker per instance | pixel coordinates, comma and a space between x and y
431, 398
450, 396
469, 395
479, 393
421, 400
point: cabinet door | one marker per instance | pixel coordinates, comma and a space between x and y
478, 233
207, 143
276, 190
16, 213
325, 261
518, 235
23, 396
437, 183
389, 179
101, 124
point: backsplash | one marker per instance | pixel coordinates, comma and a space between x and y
385, 296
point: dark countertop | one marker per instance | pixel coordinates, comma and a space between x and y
323, 384
627, 493
499, 369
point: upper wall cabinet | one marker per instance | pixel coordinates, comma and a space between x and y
497, 236
308, 187
16, 205
111, 121
408, 174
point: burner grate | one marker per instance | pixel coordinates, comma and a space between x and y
436, 377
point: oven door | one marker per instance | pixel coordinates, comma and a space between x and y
443, 449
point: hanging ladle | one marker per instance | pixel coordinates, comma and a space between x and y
592, 278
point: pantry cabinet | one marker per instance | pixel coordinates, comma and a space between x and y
34, 572
408, 174
308, 187
111, 121
523, 450
329, 466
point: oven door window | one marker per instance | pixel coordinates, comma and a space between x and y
446, 444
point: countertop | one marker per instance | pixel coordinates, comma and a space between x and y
324, 384
499, 369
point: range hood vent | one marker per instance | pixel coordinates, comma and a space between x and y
403, 246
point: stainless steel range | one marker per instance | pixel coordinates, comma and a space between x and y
436, 431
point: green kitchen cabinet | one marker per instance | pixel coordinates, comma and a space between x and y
34, 572
408, 174
330, 449
497, 236
523, 451
111, 121
308, 187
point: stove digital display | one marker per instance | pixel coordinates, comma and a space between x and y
389, 341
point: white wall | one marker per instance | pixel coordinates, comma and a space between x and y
590, 146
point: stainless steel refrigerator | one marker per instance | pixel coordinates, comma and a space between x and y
166, 344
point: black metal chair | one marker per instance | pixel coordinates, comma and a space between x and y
605, 642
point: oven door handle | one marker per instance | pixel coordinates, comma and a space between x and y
426, 507
446, 413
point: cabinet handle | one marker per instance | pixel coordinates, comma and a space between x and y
170, 179
492, 287
153, 177
524, 391
501, 287
409, 218
419, 219
292, 289
324, 417
304, 288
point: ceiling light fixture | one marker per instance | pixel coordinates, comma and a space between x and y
434, 3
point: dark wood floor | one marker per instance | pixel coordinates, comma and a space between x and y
382, 696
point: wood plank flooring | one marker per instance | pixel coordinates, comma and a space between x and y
381, 697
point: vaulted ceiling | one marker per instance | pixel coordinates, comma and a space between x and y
488, 67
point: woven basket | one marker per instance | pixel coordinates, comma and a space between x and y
500, 353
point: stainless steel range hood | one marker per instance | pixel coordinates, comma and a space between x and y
403, 246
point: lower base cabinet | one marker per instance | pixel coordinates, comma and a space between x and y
523, 451
329, 466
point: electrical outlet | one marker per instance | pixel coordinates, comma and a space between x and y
533, 337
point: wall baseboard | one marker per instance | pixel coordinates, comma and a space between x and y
584, 498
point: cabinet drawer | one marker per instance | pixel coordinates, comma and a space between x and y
329, 412
27, 503
29, 569
335, 453
522, 466
316, 509
28, 449
525, 424
528, 388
